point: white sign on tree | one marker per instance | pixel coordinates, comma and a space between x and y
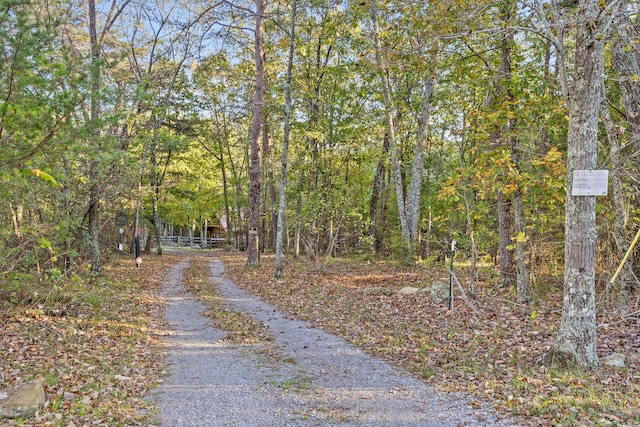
590, 183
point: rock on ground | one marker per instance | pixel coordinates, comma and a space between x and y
439, 292
408, 290
22, 401
616, 360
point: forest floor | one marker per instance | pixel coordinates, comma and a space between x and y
96, 343
493, 355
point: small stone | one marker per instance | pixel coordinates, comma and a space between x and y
408, 290
439, 292
22, 401
615, 360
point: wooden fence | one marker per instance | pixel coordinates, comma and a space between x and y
193, 242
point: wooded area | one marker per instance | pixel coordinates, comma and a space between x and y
327, 129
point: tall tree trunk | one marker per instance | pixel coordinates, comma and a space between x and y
409, 208
576, 340
474, 247
253, 252
388, 106
415, 186
94, 227
626, 278
506, 259
298, 229
66, 209
502, 94
377, 203
627, 68
523, 284
237, 225
94, 165
225, 192
269, 209
522, 238
544, 138
94, 177
157, 226
282, 205
155, 185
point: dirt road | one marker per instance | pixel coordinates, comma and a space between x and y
321, 381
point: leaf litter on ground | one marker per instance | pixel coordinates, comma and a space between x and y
94, 343
493, 356
97, 345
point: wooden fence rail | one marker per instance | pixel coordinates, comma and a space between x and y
193, 242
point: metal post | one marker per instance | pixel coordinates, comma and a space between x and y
453, 253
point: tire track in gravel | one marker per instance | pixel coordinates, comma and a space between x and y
321, 381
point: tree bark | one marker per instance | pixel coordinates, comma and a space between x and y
66, 209
474, 247
575, 344
627, 68
95, 113
282, 205
270, 211
253, 247
409, 207
506, 260
626, 278
523, 284
502, 94
415, 187
388, 105
298, 228
94, 190
237, 224
155, 184
377, 203
225, 192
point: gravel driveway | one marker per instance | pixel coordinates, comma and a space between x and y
322, 381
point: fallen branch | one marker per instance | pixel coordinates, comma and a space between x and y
464, 294
626, 317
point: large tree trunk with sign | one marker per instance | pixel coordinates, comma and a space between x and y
253, 247
575, 344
